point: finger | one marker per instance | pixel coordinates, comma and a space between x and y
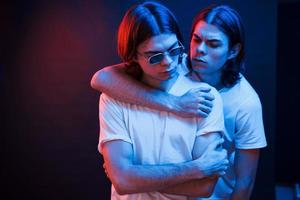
208, 96
205, 109
202, 89
194, 90
207, 103
214, 144
201, 113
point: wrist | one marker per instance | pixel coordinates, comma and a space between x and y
165, 101
172, 103
196, 170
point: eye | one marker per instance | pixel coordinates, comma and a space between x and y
196, 39
213, 44
156, 58
149, 55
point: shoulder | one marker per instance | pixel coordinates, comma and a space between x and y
133, 70
104, 71
120, 66
251, 99
110, 102
199, 84
195, 83
241, 94
250, 105
242, 98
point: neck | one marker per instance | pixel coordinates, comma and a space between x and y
163, 85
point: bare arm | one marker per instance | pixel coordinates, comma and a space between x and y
245, 168
128, 178
115, 82
214, 161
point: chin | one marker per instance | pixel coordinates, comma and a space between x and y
199, 69
165, 78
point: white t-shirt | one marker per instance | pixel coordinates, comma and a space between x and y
157, 137
244, 128
243, 123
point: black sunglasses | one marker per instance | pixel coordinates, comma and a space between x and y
157, 58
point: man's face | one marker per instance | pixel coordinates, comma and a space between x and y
160, 67
209, 49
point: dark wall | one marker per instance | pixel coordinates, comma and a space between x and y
50, 51
288, 98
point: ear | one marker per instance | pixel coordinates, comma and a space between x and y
234, 51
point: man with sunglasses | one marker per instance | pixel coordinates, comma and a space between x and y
152, 154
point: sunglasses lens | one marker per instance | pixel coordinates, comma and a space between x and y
176, 51
156, 58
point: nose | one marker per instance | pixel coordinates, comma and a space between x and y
201, 48
167, 60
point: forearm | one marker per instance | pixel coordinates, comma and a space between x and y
202, 151
194, 188
243, 189
115, 82
245, 165
141, 178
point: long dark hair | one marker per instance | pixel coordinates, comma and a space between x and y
141, 22
229, 22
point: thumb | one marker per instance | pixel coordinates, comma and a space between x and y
203, 89
200, 89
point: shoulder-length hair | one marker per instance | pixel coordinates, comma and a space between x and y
141, 22
229, 22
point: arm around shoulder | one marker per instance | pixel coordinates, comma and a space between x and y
103, 78
116, 82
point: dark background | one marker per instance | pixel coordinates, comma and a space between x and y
49, 114
287, 158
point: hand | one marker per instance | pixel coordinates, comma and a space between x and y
197, 102
104, 167
213, 161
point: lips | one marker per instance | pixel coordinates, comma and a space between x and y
169, 71
199, 60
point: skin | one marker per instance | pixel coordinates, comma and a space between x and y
188, 178
110, 80
209, 50
161, 75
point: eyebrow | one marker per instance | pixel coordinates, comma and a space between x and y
210, 40
154, 52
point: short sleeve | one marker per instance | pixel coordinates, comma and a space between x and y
215, 120
249, 133
112, 123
